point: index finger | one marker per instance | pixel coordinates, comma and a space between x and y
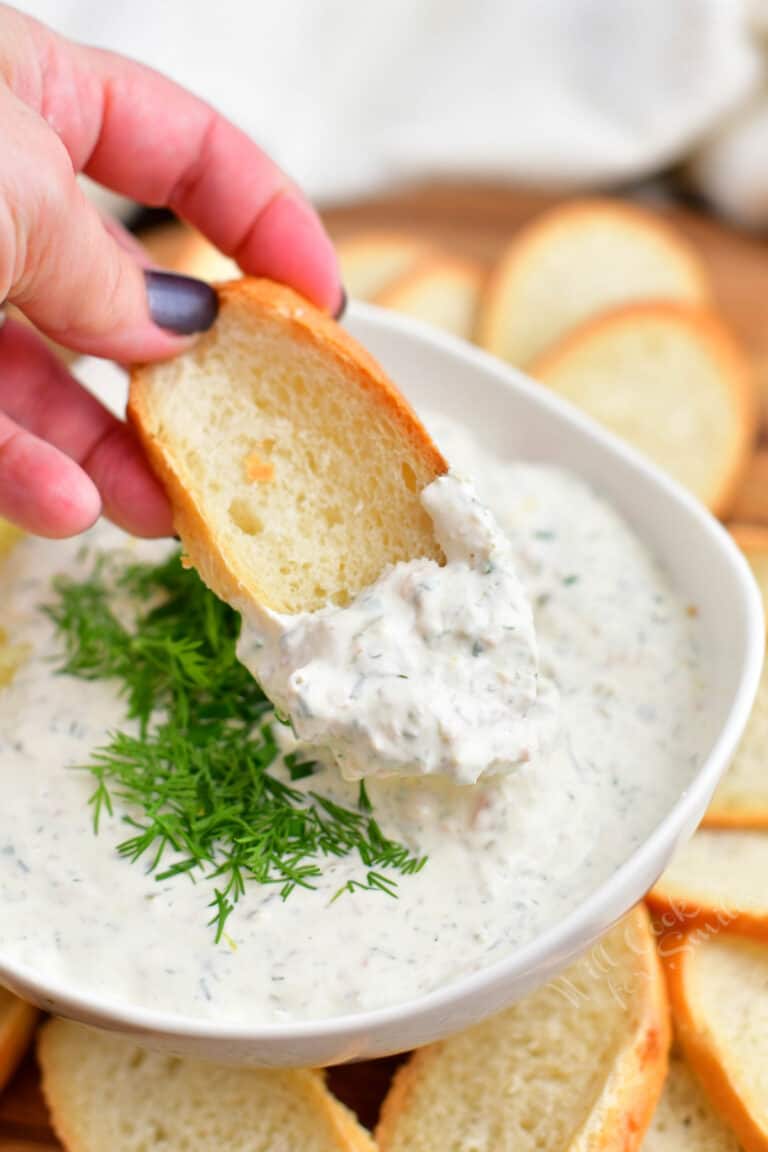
137, 132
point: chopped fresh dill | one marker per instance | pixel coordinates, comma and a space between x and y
192, 773
363, 802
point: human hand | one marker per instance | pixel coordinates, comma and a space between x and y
65, 109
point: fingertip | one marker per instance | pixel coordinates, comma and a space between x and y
60, 501
289, 244
67, 502
77, 509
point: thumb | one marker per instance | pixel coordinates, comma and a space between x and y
62, 268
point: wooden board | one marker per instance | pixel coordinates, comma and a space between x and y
475, 222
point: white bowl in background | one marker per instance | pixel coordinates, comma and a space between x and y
516, 418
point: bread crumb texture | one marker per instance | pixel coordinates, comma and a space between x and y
684, 1120
578, 1064
671, 381
718, 994
294, 465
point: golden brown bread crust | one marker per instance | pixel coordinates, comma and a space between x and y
736, 819
17, 1024
732, 362
303, 323
670, 904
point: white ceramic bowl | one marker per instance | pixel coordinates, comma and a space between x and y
516, 419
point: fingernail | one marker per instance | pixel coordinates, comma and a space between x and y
342, 304
180, 303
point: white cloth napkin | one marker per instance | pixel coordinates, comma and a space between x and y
352, 95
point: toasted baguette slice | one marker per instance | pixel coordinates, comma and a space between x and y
17, 1024
718, 988
741, 797
670, 380
751, 503
183, 249
9, 535
442, 292
720, 878
293, 464
753, 541
106, 1092
573, 263
684, 1120
371, 261
11, 655
577, 1065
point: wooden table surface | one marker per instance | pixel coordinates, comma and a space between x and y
471, 221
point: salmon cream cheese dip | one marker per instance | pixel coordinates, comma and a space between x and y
522, 717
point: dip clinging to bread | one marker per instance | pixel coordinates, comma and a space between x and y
382, 609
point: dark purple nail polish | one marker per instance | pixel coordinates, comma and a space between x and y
342, 306
180, 303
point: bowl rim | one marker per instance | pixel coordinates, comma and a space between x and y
557, 938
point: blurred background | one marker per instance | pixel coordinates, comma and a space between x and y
354, 97
442, 139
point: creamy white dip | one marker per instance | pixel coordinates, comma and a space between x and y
432, 669
507, 857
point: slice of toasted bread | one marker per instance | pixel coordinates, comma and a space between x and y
684, 1120
718, 989
751, 503
671, 381
753, 541
11, 655
741, 797
719, 877
183, 249
9, 535
17, 1024
293, 464
573, 263
578, 1064
442, 292
370, 261
106, 1092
